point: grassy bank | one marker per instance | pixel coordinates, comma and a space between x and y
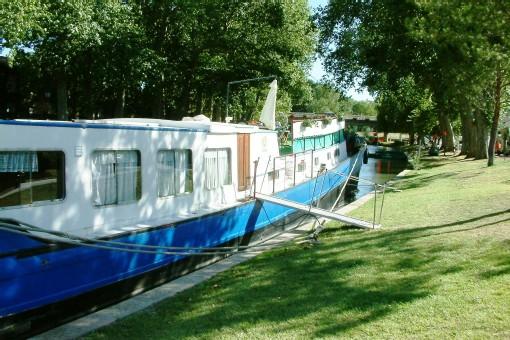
440, 267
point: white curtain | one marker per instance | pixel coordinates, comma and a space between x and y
223, 167
19, 161
211, 169
166, 171
181, 170
127, 173
104, 184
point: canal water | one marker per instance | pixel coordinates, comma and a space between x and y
378, 170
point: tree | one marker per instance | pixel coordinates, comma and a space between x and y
20, 22
325, 99
209, 43
159, 58
451, 48
406, 108
477, 33
90, 49
364, 108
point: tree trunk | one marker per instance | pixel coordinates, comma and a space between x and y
474, 135
495, 118
209, 106
411, 136
199, 102
479, 147
467, 133
217, 110
157, 103
447, 136
62, 113
184, 100
120, 104
156, 94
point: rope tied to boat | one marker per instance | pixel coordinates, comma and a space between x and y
25, 229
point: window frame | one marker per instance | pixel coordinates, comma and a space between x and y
158, 174
64, 179
273, 175
337, 152
301, 166
229, 152
140, 180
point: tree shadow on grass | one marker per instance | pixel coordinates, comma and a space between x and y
442, 160
502, 268
434, 163
500, 263
422, 181
291, 286
467, 229
385, 237
280, 290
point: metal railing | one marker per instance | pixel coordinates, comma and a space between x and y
275, 174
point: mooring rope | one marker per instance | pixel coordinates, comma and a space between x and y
67, 238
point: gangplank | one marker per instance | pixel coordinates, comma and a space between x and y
317, 211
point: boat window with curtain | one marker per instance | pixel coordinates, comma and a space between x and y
175, 172
217, 164
31, 176
116, 177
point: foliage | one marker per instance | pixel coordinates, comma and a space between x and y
364, 108
326, 121
306, 123
406, 108
324, 99
161, 59
20, 21
456, 51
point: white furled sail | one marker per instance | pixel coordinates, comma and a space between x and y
269, 111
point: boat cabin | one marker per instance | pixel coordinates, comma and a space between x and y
102, 177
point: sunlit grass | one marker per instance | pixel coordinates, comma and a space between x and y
440, 267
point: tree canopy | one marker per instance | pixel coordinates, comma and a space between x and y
155, 58
454, 52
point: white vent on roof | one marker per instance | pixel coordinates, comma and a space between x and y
198, 118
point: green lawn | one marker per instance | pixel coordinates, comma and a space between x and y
440, 267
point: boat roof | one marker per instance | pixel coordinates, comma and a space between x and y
204, 125
144, 124
301, 115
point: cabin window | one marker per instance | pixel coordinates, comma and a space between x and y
328, 140
175, 172
116, 177
309, 143
301, 167
337, 137
337, 152
319, 142
329, 156
217, 168
316, 161
273, 175
31, 176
